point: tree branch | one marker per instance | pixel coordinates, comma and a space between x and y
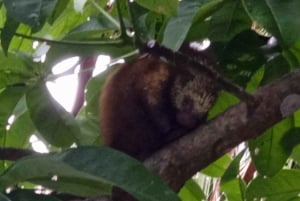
181, 159
12, 154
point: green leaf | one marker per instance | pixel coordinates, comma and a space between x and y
230, 20
31, 12
268, 152
14, 70
9, 29
191, 191
94, 88
166, 7
255, 80
179, 25
90, 132
284, 186
20, 131
52, 172
4, 198
280, 18
61, 5
19, 44
9, 99
54, 123
218, 167
233, 169
87, 171
224, 101
275, 68
241, 57
234, 189
291, 142
94, 29
199, 28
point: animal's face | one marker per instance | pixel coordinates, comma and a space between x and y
192, 99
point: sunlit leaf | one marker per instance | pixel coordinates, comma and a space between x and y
284, 186
53, 122
268, 152
224, 101
191, 191
234, 189
218, 167
8, 32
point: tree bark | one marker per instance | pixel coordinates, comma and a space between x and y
181, 159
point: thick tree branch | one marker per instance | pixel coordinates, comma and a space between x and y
183, 158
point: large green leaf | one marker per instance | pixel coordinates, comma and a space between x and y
167, 7
280, 18
218, 167
233, 187
31, 12
8, 99
190, 16
268, 151
94, 89
94, 29
275, 68
88, 171
199, 28
13, 70
53, 172
179, 25
89, 127
284, 186
241, 57
20, 131
61, 5
230, 20
191, 191
9, 29
53, 122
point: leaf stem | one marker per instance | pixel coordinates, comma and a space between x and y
66, 42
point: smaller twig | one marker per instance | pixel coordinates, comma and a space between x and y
122, 24
13, 154
66, 42
155, 49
